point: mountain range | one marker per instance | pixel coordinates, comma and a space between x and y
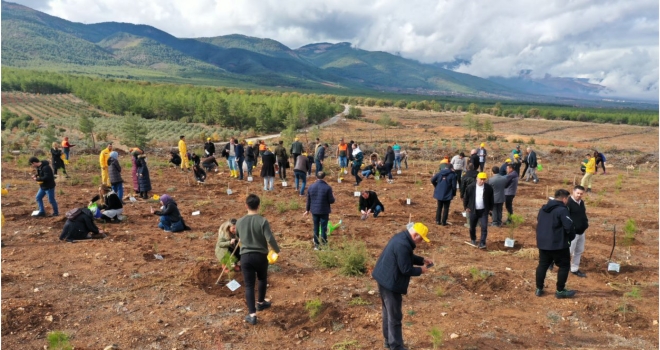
34, 39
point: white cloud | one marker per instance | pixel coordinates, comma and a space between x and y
614, 42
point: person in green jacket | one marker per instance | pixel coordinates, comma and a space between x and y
255, 235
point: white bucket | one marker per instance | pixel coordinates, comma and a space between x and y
345, 172
613, 267
508, 242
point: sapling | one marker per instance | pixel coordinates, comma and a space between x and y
436, 337
629, 230
515, 221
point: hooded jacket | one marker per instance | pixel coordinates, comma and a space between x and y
445, 185
170, 209
397, 263
78, 227
268, 164
144, 181
554, 228
114, 171
45, 175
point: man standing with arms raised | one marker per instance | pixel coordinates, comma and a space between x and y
396, 264
255, 235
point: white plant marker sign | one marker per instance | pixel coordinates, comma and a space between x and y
250, 179
509, 243
356, 193
233, 285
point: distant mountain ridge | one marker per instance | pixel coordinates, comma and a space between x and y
35, 39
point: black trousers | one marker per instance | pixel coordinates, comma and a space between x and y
508, 201
392, 317
482, 216
443, 208
525, 170
251, 264
355, 171
561, 258
282, 165
458, 173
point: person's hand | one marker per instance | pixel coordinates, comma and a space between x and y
305, 213
467, 210
233, 241
152, 209
369, 211
424, 269
428, 261
363, 212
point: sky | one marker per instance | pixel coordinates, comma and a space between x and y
610, 42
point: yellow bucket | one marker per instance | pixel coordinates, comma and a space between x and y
272, 257
5, 192
156, 197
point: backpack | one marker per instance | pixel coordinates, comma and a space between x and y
73, 213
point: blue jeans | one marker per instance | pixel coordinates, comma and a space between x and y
319, 166
322, 220
51, 199
377, 210
366, 173
250, 165
119, 189
66, 152
300, 175
343, 162
167, 225
397, 162
232, 163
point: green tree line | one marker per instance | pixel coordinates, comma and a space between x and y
242, 109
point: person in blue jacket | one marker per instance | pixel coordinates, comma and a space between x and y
396, 264
445, 190
319, 199
554, 233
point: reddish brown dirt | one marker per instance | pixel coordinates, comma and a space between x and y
117, 292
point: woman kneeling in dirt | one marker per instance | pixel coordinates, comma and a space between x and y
170, 217
227, 242
80, 225
111, 206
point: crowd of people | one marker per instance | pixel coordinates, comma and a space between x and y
244, 243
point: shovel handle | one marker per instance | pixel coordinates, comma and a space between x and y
223, 270
613, 243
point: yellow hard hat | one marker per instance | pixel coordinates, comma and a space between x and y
508, 160
251, 143
483, 144
516, 156
208, 139
296, 139
422, 230
482, 176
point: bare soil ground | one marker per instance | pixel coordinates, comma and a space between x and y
116, 292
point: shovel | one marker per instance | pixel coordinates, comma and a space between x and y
610, 265
223, 272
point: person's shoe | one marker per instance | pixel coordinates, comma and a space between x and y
265, 188
263, 306
316, 247
588, 190
40, 215
579, 273
386, 345
482, 245
272, 189
437, 222
54, 215
539, 292
474, 242
251, 319
164, 230
562, 294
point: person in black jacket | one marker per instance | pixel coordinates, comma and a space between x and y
111, 206
396, 264
468, 179
478, 201
209, 148
532, 163
268, 169
474, 159
80, 225
144, 181
170, 217
389, 163
370, 204
56, 157
554, 233
319, 200
175, 158
578, 213
251, 154
199, 173
46, 181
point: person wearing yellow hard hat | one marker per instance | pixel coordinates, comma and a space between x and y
251, 154
482, 154
478, 202
209, 147
396, 264
502, 169
516, 161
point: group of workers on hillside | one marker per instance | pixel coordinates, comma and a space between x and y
560, 230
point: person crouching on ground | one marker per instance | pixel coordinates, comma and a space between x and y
444, 183
396, 264
370, 204
80, 225
170, 217
554, 233
210, 163
175, 158
227, 243
200, 174
111, 206
255, 236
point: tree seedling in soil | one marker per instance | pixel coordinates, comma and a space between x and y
515, 220
411, 312
479, 275
635, 293
629, 234
346, 345
436, 337
58, 340
358, 301
314, 307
